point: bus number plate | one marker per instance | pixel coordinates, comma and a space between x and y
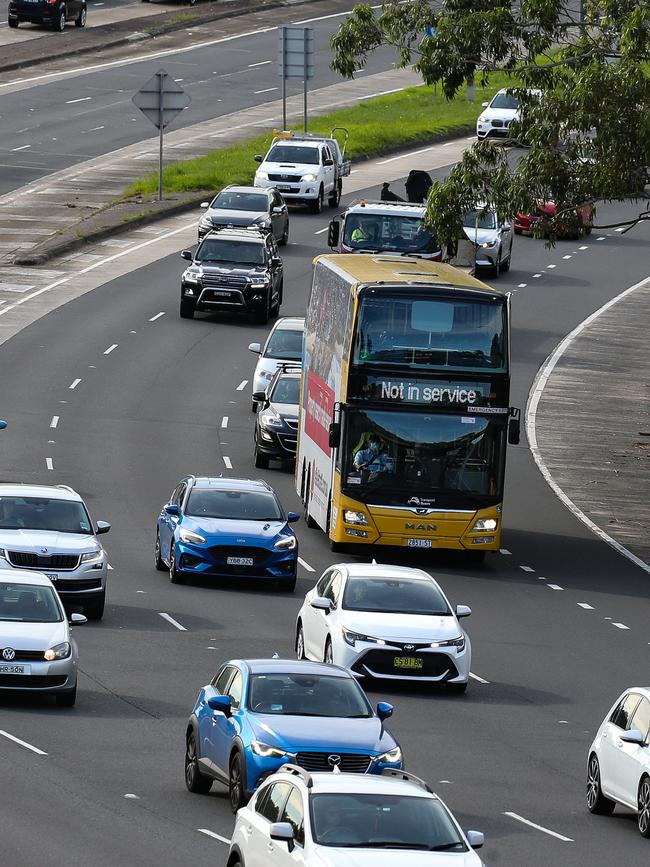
419, 543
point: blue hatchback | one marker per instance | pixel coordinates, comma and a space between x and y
230, 528
259, 714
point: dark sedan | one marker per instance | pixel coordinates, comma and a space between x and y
247, 206
54, 13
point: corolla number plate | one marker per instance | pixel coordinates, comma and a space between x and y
419, 543
10, 668
412, 663
239, 561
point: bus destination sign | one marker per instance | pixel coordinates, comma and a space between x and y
467, 396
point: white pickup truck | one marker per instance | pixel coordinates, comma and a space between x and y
305, 168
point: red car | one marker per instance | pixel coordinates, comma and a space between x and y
523, 224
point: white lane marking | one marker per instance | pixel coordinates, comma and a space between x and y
49, 463
554, 587
306, 565
534, 398
21, 148
526, 568
406, 156
620, 625
132, 796
326, 17
110, 349
505, 551
476, 677
266, 90
157, 316
536, 275
22, 743
542, 578
568, 256
224, 421
81, 99
602, 238
55, 421
551, 266
586, 606
522, 285
382, 93
212, 834
584, 247
260, 63
227, 462
242, 385
621, 228
171, 620
320, 231
521, 819
74, 383
109, 567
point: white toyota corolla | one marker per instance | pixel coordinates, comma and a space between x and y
388, 622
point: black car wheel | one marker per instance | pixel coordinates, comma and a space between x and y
300, 643
95, 610
13, 22
496, 270
317, 203
175, 575
328, 657
596, 801
643, 814
195, 781
263, 315
335, 198
236, 783
187, 310
59, 23
158, 560
261, 460
284, 240
80, 20
68, 698
505, 266
275, 309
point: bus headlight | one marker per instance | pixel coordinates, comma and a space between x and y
486, 525
350, 516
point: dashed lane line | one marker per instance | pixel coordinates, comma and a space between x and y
620, 625
537, 827
224, 421
259, 63
526, 568
306, 565
227, 462
171, 620
505, 551
477, 678
110, 349
320, 231
266, 90
586, 606
242, 385
74, 384
55, 421
49, 463
22, 743
214, 835
157, 316
554, 587
80, 99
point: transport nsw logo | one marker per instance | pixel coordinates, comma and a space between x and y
319, 411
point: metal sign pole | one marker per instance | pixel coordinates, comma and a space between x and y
304, 80
161, 79
284, 77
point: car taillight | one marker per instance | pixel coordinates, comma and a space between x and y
51, 2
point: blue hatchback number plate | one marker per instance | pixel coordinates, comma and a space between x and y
239, 561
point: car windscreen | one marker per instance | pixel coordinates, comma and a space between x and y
480, 220
44, 513
394, 596
286, 390
28, 603
307, 694
505, 100
229, 251
382, 821
284, 344
292, 154
236, 505
232, 201
391, 232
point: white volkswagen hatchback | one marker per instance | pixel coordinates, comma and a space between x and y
618, 767
388, 622
297, 819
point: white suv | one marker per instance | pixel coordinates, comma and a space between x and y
48, 529
331, 819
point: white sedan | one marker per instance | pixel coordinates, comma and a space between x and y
618, 767
387, 622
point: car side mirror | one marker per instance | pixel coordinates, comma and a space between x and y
102, 527
634, 736
259, 396
172, 509
463, 611
292, 517
258, 158
334, 435
320, 603
277, 210
186, 254
283, 833
276, 261
3, 424
333, 233
255, 347
514, 431
220, 703
328, 162
77, 619
205, 204
384, 710
485, 104
506, 227
475, 839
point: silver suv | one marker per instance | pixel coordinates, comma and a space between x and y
48, 529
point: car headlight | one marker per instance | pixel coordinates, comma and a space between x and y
191, 537
485, 524
90, 556
392, 756
261, 283
489, 244
458, 643
261, 176
191, 277
205, 223
482, 119
59, 651
268, 418
3, 553
288, 543
267, 751
310, 176
265, 374
351, 637
351, 516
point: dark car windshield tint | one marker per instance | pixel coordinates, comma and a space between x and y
284, 344
377, 821
229, 200
237, 252
291, 154
287, 390
307, 695
505, 100
43, 513
395, 595
28, 603
478, 220
237, 505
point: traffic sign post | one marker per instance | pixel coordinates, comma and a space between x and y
295, 60
160, 100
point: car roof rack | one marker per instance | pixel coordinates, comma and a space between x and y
297, 771
290, 367
404, 775
66, 488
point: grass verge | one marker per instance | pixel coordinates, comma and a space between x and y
409, 118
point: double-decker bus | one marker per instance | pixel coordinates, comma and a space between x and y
404, 411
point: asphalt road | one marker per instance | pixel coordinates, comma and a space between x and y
152, 411
47, 125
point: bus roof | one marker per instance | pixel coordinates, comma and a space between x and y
378, 268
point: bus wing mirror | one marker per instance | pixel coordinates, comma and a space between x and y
333, 233
335, 435
514, 430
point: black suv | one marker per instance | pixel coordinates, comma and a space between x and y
54, 13
276, 425
233, 270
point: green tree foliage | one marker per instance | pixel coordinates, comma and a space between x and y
581, 73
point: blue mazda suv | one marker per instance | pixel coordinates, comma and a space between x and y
230, 528
259, 714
